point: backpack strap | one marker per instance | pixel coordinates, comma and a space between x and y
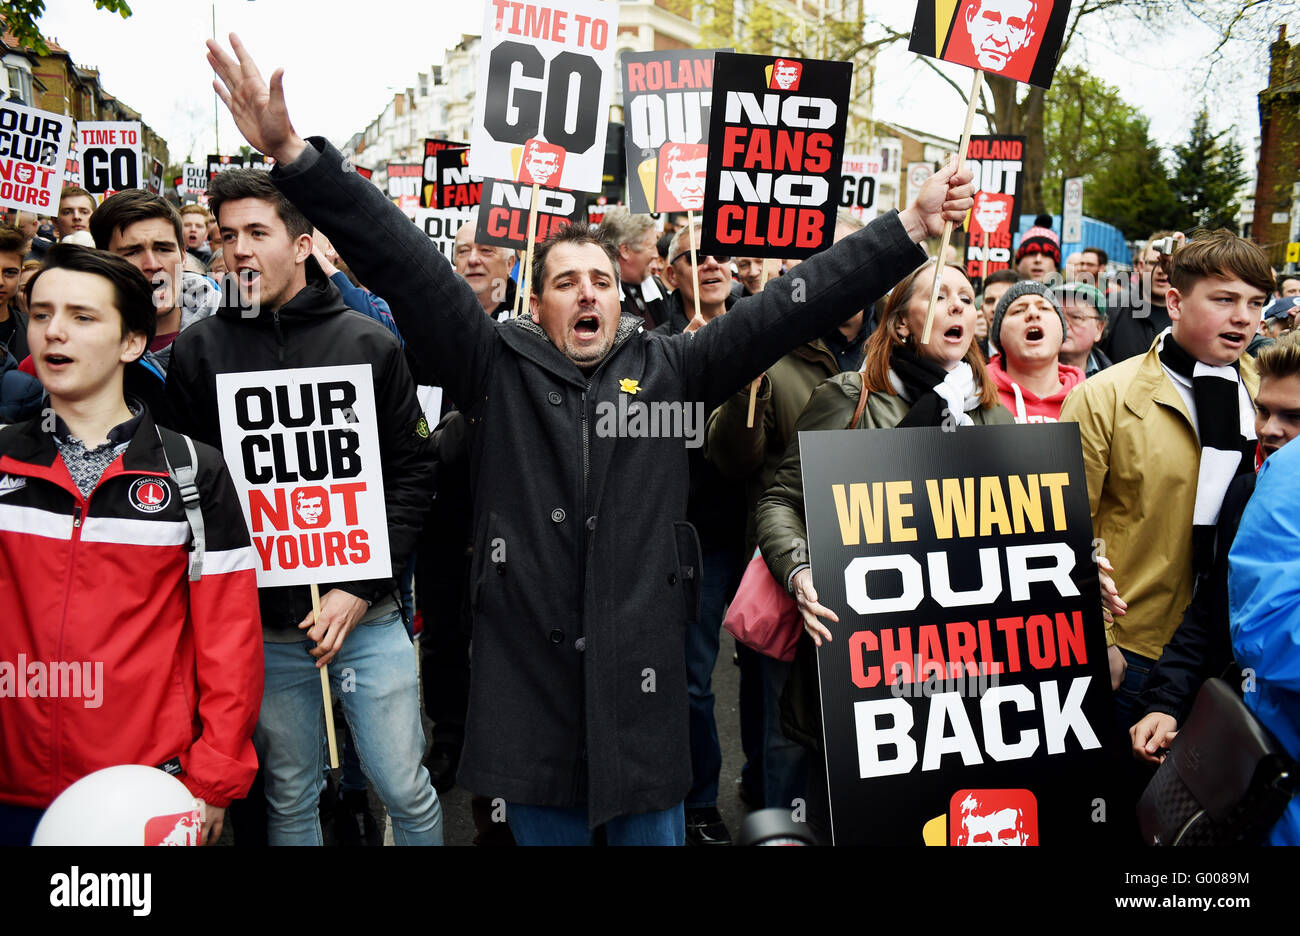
182, 465
862, 401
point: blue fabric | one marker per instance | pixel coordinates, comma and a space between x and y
366, 302
1264, 607
1095, 234
374, 677
721, 576
567, 825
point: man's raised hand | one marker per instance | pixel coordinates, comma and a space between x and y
259, 110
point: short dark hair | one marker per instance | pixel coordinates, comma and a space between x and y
1102, 257
235, 184
1220, 254
133, 294
120, 211
575, 235
1000, 276
75, 191
1283, 278
663, 245
11, 240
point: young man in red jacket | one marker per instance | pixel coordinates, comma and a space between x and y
1029, 329
130, 631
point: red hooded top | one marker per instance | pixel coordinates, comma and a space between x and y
1026, 407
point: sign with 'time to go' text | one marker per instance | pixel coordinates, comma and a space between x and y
302, 446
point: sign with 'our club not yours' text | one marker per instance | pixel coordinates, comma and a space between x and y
966, 690
776, 141
545, 75
302, 447
34, 146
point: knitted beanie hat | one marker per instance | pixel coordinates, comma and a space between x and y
1041, 239
1023, 288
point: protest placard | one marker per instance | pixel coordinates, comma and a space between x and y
503, 214
966, 689
998, 163
112, 156
1018, 39
777, 132
194, 179
429, 178
33, 157
859, 182
545, 75
156, 172
456, 187
666, 100
442, 225
221, 164
404, 184
302, 446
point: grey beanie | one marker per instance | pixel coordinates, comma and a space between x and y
1024, 288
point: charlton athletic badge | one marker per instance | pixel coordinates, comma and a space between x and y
150, 495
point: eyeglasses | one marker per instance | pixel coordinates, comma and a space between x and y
1076, 319
700, 258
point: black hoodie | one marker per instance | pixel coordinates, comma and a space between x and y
313, 329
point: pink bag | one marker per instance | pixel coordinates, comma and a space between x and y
763, 616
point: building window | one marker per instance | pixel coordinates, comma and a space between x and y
20, 85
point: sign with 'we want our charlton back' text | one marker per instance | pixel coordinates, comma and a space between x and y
302, 446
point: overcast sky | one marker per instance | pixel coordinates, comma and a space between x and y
344, 60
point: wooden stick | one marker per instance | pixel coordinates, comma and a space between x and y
964, 145
753, 387
527, 276
325, 684
695, 267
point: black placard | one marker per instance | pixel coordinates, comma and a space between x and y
429, 172
456, 187
503, 214
1019, 39
998, 163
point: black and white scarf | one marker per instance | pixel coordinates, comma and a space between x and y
1225, 451
935, 394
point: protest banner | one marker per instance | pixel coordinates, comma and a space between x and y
112, 156
503, 214
1018, 39
404, 184
260, 162
998, 163
666, 100
430, 175
72, 166
194, 179
456, 187
545, 76
302, 447
442, 225
859, 180
1072, 211
33, 157
596, 212
774, 165
156, 172
221, 164
966, 689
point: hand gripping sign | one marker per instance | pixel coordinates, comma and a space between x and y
34, 148
302, 446
970, 653
1017, 39
545, 75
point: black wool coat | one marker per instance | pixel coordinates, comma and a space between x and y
585, 573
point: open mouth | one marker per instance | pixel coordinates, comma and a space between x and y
57, 360
587, 327
954, 333
247, 275
1034, 333
1233, 338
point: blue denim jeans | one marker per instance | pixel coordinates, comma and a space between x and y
564, 825
374, 676
721, 576
1127, 711
785, 762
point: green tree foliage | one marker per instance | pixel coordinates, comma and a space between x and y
1089, 131
20, 17
1208, 177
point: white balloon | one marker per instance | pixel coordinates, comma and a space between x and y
124, 805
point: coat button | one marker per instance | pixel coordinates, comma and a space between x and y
557, 636
555, 398
580, 644
557, 515
672, 578
591, 523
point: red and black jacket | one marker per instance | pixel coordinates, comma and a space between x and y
97, 587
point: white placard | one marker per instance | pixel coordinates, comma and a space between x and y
33, 157
859, 185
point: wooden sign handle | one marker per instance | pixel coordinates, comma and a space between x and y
695, 268
527, 276
964, 145
325, 685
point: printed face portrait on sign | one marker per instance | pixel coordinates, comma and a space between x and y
992, 212
993, 817
681, 183
785, 75
302, 446
541, 163
1018, 39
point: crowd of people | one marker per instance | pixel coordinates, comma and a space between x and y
587, 567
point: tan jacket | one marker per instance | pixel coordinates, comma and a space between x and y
1141, 454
